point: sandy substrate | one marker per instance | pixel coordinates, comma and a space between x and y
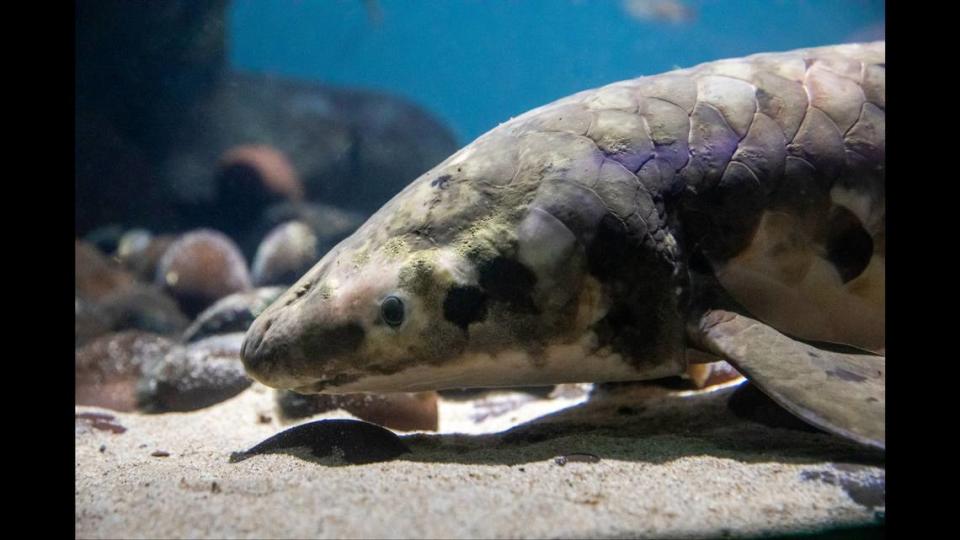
670, 466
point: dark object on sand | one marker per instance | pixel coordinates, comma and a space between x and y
355, 441
101, 421
576, 458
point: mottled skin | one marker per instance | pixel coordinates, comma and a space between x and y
579, 241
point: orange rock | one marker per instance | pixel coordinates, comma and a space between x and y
400, 411
259, 167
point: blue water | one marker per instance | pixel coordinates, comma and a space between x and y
476, 63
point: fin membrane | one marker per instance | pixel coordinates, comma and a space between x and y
842, 393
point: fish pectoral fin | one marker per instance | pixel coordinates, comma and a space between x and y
840, 392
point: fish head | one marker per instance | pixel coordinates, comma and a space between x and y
470, 277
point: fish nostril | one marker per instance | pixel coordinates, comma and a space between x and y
250, 351
298, 294
262, 334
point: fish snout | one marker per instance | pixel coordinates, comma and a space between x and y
262, 354
286, 351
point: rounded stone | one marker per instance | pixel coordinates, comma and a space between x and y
201, 267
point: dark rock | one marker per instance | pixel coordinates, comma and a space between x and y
285, 255
233, 313
400, 411
350, 147
139, 371
396, 142
144, 307
201, 267
249, 178
157, 108
90, 321
108, 368
200, 375
330, 224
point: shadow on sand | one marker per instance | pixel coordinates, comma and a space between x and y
634, 422
645, 423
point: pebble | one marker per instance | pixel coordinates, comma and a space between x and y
144, 307
576, 458
285, 254
198, 375
329, 224
233, 313
201, 267
108, 368
101, 421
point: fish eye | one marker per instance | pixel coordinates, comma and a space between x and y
391, 311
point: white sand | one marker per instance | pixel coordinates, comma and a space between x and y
683, 467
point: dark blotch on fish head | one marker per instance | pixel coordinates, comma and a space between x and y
363, 314
465, 305
506, 280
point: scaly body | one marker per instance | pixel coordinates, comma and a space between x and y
578, 241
